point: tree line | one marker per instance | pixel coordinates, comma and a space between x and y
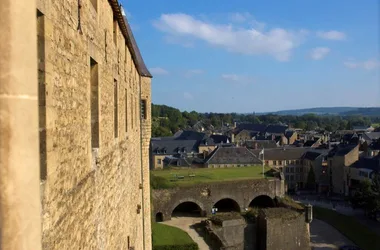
168, 120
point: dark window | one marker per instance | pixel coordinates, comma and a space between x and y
115, 25
143, 110
116, 109
159, 161
126, 109
41, 93
94, 76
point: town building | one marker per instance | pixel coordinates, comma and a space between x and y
95, 126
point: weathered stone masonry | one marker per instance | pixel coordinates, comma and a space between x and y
95, 185
206, 195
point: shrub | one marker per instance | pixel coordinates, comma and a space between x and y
158, 182
251, 215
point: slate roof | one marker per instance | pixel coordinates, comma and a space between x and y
252, 127
191, 135
220, 139
276, 129
311, 155
233, 155
361, 127
372, 163
130, 40
281, 153
183, 161
261, 144
289, 133
342, 150
173, 146
370, 136
375, 145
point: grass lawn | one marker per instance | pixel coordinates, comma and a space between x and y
167, 235
375, 125
205, 175
358, 233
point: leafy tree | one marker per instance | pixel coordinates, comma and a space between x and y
310, 184
367, 196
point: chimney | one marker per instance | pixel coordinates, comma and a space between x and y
233, 137
234, 124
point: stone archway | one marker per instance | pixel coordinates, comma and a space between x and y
227, 205
187, 209
262, 201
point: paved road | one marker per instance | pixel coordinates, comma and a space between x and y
325, 237
186, 223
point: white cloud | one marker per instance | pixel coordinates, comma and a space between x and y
158, 71
331, 35
193, 72
276, 42
188, 96
240, 17
231, 77
237, 79
367, 65
319, 53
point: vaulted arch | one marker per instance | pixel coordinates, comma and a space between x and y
227, 205
262, 201
187, 209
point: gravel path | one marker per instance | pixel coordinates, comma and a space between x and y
325, 237
186, 223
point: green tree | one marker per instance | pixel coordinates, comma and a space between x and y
367, 196
310, 184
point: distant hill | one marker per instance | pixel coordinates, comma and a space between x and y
344, 111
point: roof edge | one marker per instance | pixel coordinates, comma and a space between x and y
130, 39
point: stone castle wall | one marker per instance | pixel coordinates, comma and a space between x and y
95, 179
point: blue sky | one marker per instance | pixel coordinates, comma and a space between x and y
256, 56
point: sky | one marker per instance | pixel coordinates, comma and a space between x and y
259, 56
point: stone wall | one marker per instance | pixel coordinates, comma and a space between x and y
282, 228
206, 195
231, 235
95, 192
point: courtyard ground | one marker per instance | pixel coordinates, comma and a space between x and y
191, 176
168, 235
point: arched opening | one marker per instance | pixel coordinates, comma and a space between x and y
227, 205
159, 217
262, 201
187, 209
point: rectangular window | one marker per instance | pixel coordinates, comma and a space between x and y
126, 109
125, 62
116, 111
94, 81
287, 170
159, 161
143, 110
115, 25
301, 170
41, 93
132, 118
94, 4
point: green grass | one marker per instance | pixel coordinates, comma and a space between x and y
376, 125
167, 235
350, 227
206, 175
